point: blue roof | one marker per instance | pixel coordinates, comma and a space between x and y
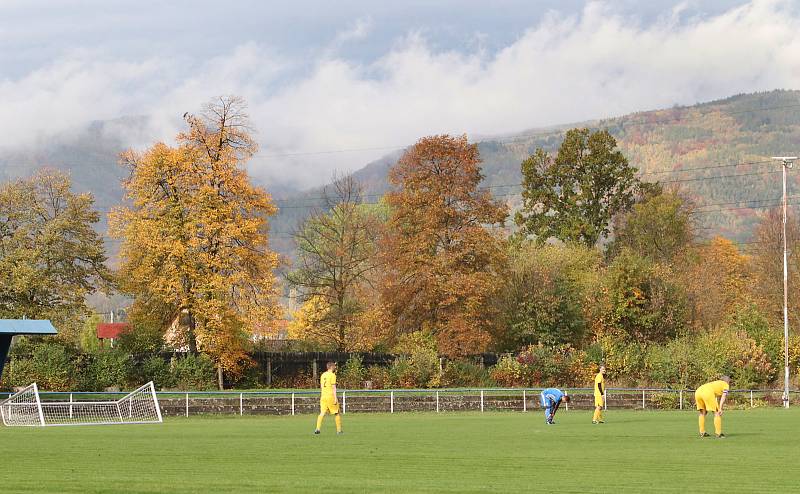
26, 326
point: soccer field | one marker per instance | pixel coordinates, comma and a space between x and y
426, 452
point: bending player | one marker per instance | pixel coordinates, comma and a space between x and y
551, 399
706, 399
328, 403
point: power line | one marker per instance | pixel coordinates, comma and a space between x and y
308, 201
509, 139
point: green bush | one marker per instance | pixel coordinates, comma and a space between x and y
401, 375
155, 368
379, 377
106, 369
141, 339
88, 337
732, 352
558, 366
462, 374
625, 360
509, 372
750, 320
666, 401
19, 372
352, 374
50, 365
540, 299
418, 366
194, 372
676, 364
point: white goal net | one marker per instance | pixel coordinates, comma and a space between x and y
26, 408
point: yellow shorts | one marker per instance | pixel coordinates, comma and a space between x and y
598, 400
706, 401
328, 406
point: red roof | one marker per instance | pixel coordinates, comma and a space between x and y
108, 330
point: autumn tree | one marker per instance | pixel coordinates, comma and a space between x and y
718, 280
50, 255
542, 296
335, 266
767, 264
442, 262
660, 227
639, 300
195, 236
574, 196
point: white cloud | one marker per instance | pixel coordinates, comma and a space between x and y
567, 68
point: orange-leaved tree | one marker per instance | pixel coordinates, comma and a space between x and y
195, 236
718, 279
442, 262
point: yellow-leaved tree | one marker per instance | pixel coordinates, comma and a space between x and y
195, 236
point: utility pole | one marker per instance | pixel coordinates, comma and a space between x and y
787, 162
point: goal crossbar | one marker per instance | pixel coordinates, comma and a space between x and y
26, 408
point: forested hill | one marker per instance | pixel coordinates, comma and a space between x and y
717, 153
693, 147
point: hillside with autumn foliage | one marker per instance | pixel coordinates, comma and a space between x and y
716, 153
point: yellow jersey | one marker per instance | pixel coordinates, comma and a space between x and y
716, 387
326, 383
599, 384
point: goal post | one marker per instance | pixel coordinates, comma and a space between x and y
23, 409
26, 408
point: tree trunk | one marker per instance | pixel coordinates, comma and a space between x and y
219, 378
191, 335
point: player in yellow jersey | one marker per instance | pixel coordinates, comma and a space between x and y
328, 403
706, 399
599, 395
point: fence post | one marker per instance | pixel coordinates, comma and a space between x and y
524, 401
605, 399
292, 403
187, 405
643, 403
481, 401
344, 402
241, 404
680, 399
566, 404
751, 398
391, 402
437, 401
70, 405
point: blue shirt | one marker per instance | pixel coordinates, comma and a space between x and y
553, 395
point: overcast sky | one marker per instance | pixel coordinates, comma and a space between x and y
353, 75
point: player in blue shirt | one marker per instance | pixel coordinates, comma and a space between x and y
551, 399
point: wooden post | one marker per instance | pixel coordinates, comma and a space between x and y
314, 369
269, 372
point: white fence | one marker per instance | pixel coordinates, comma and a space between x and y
187, 404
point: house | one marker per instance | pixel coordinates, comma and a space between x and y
110, 331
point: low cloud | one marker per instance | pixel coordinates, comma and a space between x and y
567, 68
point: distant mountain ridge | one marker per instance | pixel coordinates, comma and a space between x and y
690, 147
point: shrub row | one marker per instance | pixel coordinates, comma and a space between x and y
55, 367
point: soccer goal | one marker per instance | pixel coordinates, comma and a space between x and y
26, 409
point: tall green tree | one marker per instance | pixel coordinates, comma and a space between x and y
574, 196
50, 255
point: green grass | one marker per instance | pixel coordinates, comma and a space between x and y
426, 452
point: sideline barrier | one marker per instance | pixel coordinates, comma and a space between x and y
190, 403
